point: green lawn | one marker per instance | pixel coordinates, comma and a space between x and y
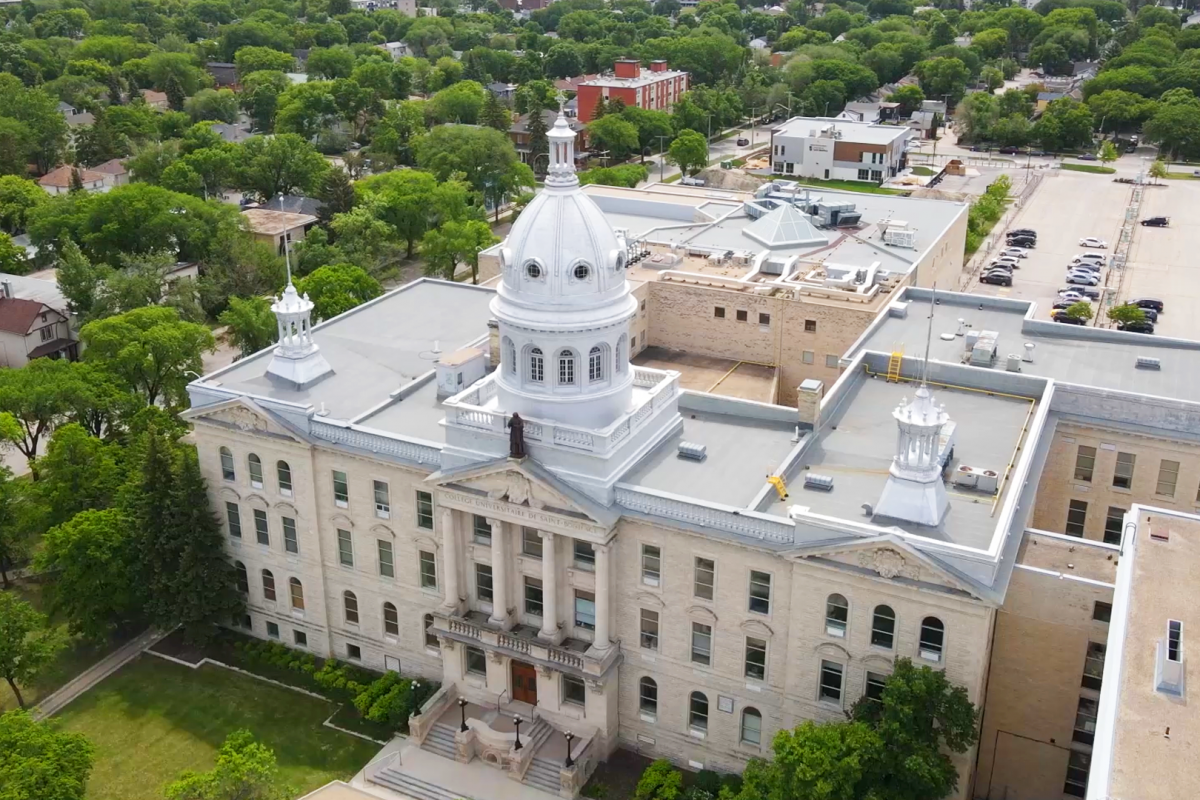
848, 186
72, 660
1181, 176
923, 171
1088, 168
153, 719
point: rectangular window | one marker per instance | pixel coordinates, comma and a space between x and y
573, 690
300, 638
742, 315
705, 578
341, 490
760, 592
1113, 523
353, 652
387, 560
1174, 640
481, 531
383, 504
345, 548
256, 473
1076, 517
1123, 473
476, 661
719, 312
810, 326
808, 356
290, 542
531, 543
1085, 721
284, 473
756, 659
875, 685
428, 564
425, 510
261, 532
1093, 666
566, 370
651, 564
585, 610
831, 682
864, 174
831, 361
877, 175
1078, 765
764, 320
235, 520
483, 583
701, 644
1085, 463
1102, 611
585, 555
272, 630
649, 637
227, 470
1168, 476
533, 597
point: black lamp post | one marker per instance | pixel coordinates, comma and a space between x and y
570, 762
517, 725
462, 706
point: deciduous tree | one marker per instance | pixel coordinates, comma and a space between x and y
337, 288
39, 396
39, 761
454, 242
252, 326
690, 151
245, 770
27, 645
281, 164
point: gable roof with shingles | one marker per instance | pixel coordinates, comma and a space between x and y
17, 315
62, 176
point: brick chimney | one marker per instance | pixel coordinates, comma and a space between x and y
659, 65
808, 403
628, 68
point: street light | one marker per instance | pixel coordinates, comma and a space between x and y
462, 707
662, 157
517, 724
570, 762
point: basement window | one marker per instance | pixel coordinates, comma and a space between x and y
742, 315
719, 313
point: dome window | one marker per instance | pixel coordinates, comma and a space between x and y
533, 270
581, 272
536, 365
566, 368
596, 364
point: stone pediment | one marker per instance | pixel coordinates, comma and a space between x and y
241, 414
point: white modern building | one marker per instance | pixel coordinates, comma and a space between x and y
838, 149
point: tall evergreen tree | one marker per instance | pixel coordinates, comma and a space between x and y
175, 93
600, 110
76, 180
114, 88
203, 591
148, 501
337, 193
539, 145
494, 114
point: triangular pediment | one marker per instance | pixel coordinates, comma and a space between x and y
242, 414
523, 484
891, 558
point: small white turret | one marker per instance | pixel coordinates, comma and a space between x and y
297, 358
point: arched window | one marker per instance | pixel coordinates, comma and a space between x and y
566, 368
537, 365
227, 471
284, 473
837, 614
268, 585
751, 726
883, 627
698, 712
351, 604
596, 364
622, 357
297, 593
243, 580
648, 696
509, 355
933, 638
391, 620
431, 639
256, 476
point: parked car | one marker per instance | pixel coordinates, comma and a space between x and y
997, 278
1147, 302
1091, 294
1150, 315
1062, 316
1028, 242
1157, 222
1023, 232
1083, 278
743, 142
1016, 252
1036, 152
1090, 256
1012, 261
1136, 327
1009, 150
1131, 148
1084, 266
1092, 241
1089, 157
1067, 302
687, 180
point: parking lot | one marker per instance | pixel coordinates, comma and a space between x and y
1165, 262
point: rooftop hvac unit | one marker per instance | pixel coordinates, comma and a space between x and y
899, 234
693, 451
1014, 362
821, 482
981, 480
1145, 362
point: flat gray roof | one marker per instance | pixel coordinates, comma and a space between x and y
851, 131
1073, 354
856, 446
376, 349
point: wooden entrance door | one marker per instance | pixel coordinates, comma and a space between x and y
524, 683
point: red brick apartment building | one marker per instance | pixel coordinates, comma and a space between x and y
656, 88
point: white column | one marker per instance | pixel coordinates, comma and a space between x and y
602, 600
449, 559
499, 575
549, 586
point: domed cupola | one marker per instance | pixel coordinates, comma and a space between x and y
564, 304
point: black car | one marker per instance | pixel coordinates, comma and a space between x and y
1147, 302
743, 142
1063, 316
1036, 152
1062, 305
1150, 315
1136, 327
997, 278
1010, 151
1027, 242
1157, 222
1023, 232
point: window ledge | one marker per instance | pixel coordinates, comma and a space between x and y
342, 503
695, 734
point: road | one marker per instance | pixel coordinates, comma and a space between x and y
718, 151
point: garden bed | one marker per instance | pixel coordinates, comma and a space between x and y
1093, 168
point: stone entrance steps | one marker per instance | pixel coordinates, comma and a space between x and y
441, 741
414, 787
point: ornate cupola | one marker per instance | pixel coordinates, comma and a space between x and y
563, 304
915, 490
297, 359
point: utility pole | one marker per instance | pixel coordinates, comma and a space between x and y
710, 116
662, 158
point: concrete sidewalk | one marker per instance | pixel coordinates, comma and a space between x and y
97, 672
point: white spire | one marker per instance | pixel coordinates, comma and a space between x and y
561, 172
297, 358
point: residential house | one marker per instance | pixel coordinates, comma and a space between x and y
115, 169
571, 85
397, 50
235, 133
31, 329
224, 73
156, 100
519, 133
58, 180
277, 228
503, 92
294, 204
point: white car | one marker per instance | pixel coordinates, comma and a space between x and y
1092, 241
1090, 257
1015, 252
1072, 297
1008, 260
1083, 278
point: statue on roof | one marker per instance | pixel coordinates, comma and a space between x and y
516, 436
